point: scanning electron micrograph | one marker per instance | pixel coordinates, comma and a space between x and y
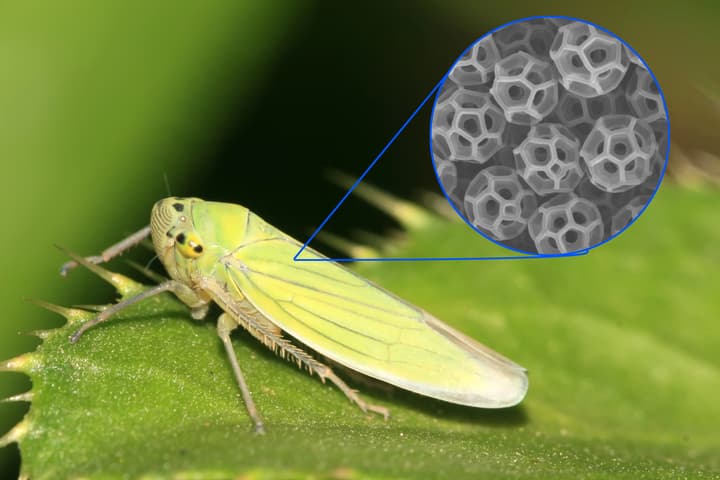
549, 135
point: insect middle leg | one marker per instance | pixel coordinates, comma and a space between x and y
225, 326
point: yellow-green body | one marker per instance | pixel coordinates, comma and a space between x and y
232, 257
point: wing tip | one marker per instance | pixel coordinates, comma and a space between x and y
506, 394
505, 390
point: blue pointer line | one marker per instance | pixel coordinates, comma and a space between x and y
579, 253
409, 259
357, 182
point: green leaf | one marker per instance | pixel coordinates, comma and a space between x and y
622, 345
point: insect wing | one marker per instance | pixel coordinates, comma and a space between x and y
367, 329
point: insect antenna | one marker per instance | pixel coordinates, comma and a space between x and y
167, 184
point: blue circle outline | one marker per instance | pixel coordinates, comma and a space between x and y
632, 220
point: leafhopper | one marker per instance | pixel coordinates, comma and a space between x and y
224, 253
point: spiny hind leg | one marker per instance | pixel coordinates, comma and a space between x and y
271, 337
225, 326
324, 372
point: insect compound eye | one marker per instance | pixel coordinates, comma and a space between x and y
189, 245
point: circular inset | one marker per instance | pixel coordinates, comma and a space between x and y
549, 135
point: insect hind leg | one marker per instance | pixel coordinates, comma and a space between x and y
271, 337
351, 394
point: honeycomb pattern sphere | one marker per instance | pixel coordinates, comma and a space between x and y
590, 62
566, 223
549, 159
497, 202
618, 153
470, 124
477, 66
525, 88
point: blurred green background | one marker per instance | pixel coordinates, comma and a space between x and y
251, 102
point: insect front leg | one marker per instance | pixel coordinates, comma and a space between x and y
226, 324
198, 304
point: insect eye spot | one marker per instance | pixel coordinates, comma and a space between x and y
198, 249
179, 207
180, 238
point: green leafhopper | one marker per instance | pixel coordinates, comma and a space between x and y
223, 253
